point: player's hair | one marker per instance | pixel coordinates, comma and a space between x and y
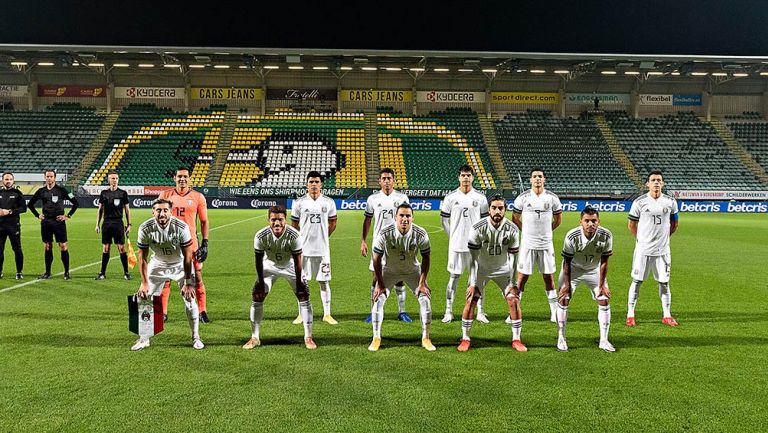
178, 169
589, 210
538, 169
162, 201
466, 169
49, 170
404, 206
315, 174
8, 172
278, 209
111, 172
386, 170
497, 197
653, 172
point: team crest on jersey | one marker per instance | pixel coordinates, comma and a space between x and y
475, 203
55, 199
546, 206
116, 201
324, 209
190, 202
505, 241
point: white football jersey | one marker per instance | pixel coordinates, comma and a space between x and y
653, 218
464, 210
383, 208
537, 213
166, 243
584, 253
399, 251
280, 250
313, 217
494, 244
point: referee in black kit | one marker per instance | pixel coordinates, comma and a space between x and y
11, 205
112, 202
53, 221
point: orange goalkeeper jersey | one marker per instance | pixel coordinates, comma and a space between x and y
189, 208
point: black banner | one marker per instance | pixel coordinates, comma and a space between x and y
303, 94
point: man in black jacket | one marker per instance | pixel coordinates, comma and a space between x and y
11, 205
53, 220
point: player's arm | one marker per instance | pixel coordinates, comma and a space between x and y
301, 285
517, 219
474, 264
513, 252
673, 222
565, 288
425, 261
188, 290
366, 228
144, 285
99, 214
632, 225
258, 256
202, 214
603, 277
127, 218
557, 218
378, 274
445, 221
331, 225
32, 202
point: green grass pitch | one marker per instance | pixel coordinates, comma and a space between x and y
65, 363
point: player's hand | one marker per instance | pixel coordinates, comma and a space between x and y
424, 290
471, 291
364, 249
4, 212
565, 294
143, 291
202, 253
98, 229
378, 291
127, 229
188, 292
62, 218
604, 291
41, 217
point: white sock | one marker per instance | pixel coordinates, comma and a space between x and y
400, 291
305, 309
377, 314
604, 320
517, 328
666, 299
450, 292
562, 318
325, 296
257, 313
425, 311
634, 293
466, 326
552, 299
193, 317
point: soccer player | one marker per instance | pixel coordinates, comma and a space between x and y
314, 215
381, 207
586, 250
537, 212
459, 211
190, 206
53, 220
282, 246
652, 220
493, 245
11, 205
171, 243
395, 252
113, 202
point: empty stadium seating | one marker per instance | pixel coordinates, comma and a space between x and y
148, 143
572, 152
688, 151
426, 151
279, 150
753, 135
56, 138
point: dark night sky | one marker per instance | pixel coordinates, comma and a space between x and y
634, 27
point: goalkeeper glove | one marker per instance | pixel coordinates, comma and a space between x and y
202, 253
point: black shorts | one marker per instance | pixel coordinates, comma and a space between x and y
113, 230
51, 227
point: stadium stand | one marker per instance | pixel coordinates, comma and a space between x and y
279, 150
688, 151
429, 149
58, 138
753, 135
148, 143
573, 153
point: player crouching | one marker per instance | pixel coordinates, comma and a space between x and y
395, 250
171, 245
283, 246
586, 250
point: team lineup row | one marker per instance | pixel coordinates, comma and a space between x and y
481, 240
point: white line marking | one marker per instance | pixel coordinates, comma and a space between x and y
17, 286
